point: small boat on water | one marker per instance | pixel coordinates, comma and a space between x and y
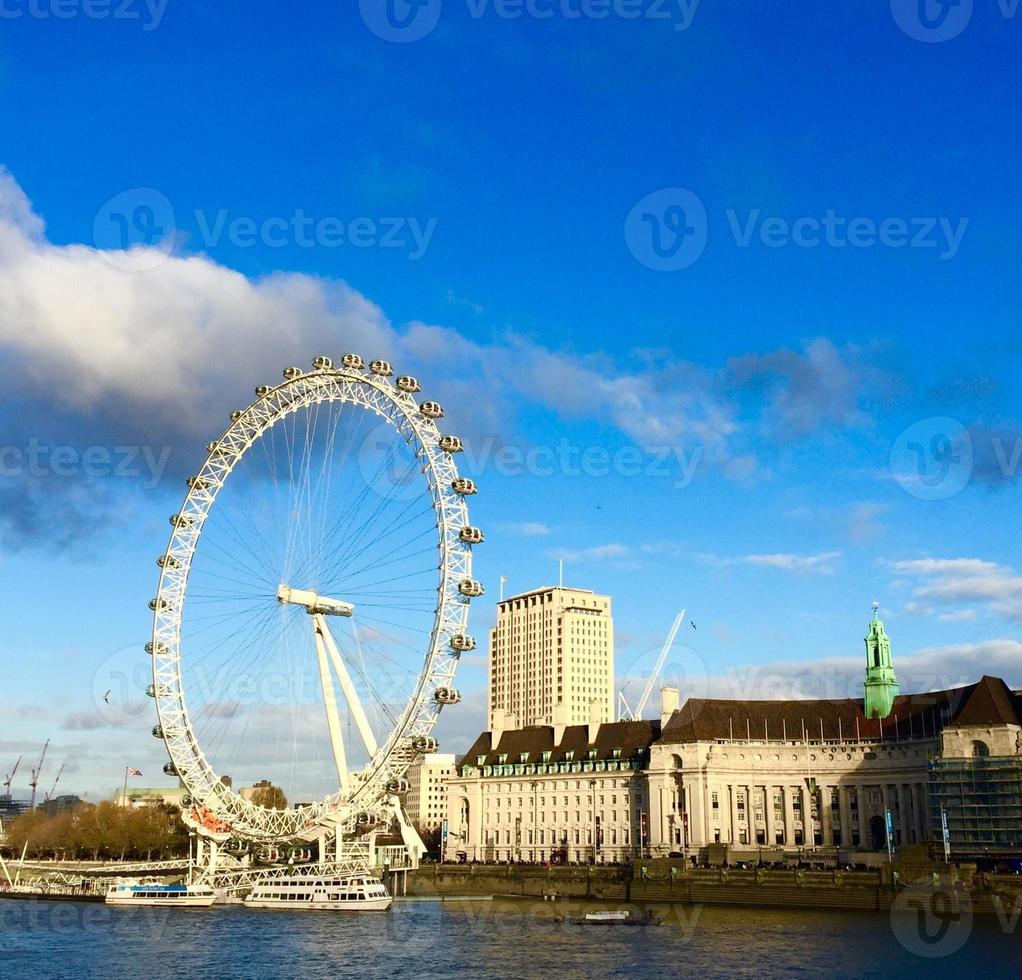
616, 917
353, 893
133, 892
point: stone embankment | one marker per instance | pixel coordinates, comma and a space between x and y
662, 880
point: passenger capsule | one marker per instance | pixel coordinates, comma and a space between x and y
169, 769
186, 801
408, 384
262, 391
471, 535
365, 820
181, 520
352, 362
157, 731
398, 786
236, 414
446, 695
197, 483
322, 363
159, 605
431, 410
155, 648
382, 368
167, 561
150, 691
290, 373
451, 444
470, 587
424, 743
463, 643
464, 486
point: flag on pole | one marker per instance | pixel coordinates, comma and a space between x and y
134, 772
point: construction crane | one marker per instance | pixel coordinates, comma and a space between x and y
10, 778
36, 773
60, 772
626, 713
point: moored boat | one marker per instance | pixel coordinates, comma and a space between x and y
350, 893
133, 892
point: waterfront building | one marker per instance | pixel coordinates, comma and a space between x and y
426, 800
557, 793
60, 804
841, 775
150, 796
551, 657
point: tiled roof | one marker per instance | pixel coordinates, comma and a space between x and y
989, 701
631, 737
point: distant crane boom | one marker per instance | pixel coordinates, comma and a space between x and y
36, 772
10, 777
53, 788
654, 676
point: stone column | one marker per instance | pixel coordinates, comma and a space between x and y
826, 815
903, 814
789, 815
862, 796
846, 816
732, 790
750, 816
809, 826
768, 813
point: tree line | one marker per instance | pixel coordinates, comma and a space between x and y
101, 831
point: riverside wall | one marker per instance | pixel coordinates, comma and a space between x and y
662, 880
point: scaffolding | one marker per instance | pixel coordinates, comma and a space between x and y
981, 798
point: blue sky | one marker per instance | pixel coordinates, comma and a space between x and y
484, 205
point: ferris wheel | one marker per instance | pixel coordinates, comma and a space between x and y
313, 604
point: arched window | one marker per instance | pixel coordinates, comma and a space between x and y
465, 828
676, 759
980, 750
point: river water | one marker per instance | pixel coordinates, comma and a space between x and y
504, 938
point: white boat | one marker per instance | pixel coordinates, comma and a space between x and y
618, 917
353, 893
133, 892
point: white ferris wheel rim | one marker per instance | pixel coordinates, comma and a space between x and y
219, 809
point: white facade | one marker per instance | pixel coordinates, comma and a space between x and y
426, 801
551, 659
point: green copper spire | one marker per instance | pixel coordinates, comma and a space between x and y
881, 684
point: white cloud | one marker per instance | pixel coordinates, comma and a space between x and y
601, 552
944, 582
822, 563
527, 529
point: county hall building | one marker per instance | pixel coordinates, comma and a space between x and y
814, 774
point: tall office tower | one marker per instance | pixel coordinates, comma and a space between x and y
552, 659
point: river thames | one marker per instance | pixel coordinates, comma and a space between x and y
495, 939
